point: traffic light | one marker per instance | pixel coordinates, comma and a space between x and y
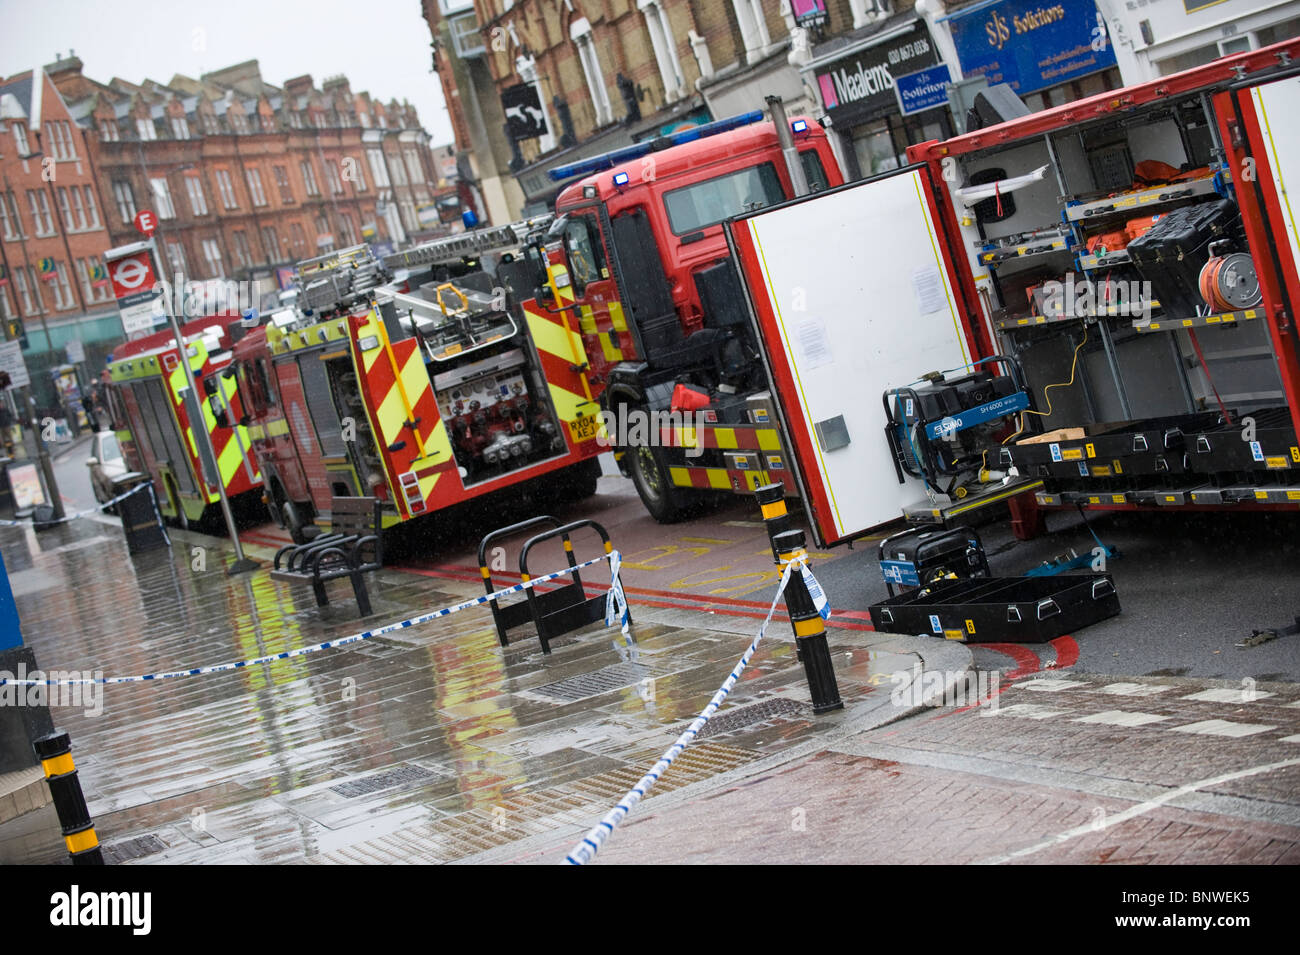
15, 332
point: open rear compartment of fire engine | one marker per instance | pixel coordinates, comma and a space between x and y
1111, 259
486, 373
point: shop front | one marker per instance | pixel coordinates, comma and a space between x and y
856, 84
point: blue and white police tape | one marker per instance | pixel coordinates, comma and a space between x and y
327, 645
586, 850
822, 605
616, 600
80, 514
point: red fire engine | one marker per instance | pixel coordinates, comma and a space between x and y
423, 393
147, 397
656, 295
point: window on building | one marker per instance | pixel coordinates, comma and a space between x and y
397, 168
79, 210
238, 122
377, 168
194, 189
212, 256
271, 243
39, 205
580, 34
254, 177
162, 195
332, 177
353, 170
243, 255
124, 197
753, 27
282, 183
347, 233
180, 128
665, 48
94, 280
60, 140
298, 236
309, 178
65, 209
29, 292
20, 139
92, 208
413, 164
211, 126
226, 189
407, 208
9, 218
145, 129
701, 204
108, 131
63, 297
6, 309
176, 257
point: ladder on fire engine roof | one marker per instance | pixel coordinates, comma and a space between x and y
454, 248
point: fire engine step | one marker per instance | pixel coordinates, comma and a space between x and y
929, 512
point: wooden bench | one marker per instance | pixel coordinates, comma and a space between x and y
352, 548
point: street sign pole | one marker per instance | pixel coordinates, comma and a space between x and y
194, 411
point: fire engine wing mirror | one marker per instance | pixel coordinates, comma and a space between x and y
556, 232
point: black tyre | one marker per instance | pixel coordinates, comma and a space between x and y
293, 522
667, 504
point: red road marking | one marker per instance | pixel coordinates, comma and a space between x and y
1026, 660
1067, 651
674, 604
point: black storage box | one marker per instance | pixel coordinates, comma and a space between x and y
1142, 447
1222, 448
1000, 609
1172, 253
916, 556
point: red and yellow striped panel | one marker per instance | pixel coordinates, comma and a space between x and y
237, 464
724, 479
403, 414
722, 437
560, 347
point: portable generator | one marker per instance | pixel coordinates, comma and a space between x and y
944, 429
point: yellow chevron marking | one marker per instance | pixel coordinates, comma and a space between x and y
587, 320
616, 316
726, 438
680, 477
769, 440
755, 478
719, 479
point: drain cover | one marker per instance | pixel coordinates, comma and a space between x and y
136, 848
404, 777
614, 677
742, 717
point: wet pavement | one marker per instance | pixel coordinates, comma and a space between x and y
431, 744
434, 744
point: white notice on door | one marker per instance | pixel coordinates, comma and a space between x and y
927, 283
814, 344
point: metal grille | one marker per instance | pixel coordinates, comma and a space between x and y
742, 717
133, 849
605, 680
404, 777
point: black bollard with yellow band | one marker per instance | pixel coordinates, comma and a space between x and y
809, 630
776, 519
55, 753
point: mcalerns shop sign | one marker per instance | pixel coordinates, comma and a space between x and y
860, 85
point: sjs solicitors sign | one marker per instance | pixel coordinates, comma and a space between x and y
860, 86
1031, 45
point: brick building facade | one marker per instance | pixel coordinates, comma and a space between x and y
606, 73
53, 233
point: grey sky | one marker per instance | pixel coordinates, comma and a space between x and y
381, 45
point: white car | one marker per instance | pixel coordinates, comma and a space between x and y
106, 464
